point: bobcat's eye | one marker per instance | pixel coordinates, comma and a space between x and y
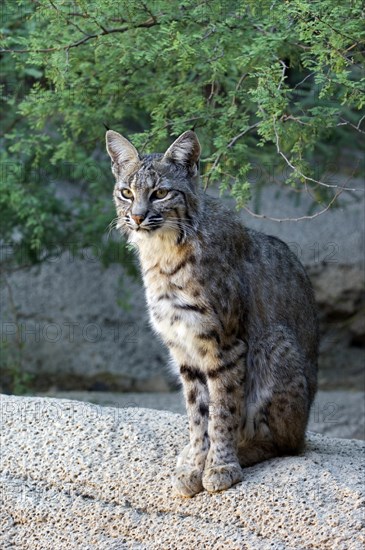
127, 193
160, 194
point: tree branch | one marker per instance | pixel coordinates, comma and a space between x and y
146, 24
284, 68
238, 136
229, 145
348, 123
304, 79
238, 85
264, 217
351, 38
325, 209
307, 178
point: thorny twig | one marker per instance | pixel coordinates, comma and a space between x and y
307, 178
265, 217
311, 217
348, 123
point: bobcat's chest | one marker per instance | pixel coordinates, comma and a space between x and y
174, 312
178, 313
179, 329
178, 308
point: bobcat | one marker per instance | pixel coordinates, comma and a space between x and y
234, 306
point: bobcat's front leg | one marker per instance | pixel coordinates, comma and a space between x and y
225, 383
190, 464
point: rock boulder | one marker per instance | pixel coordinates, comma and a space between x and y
76, 475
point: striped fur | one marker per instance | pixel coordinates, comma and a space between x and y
234, 307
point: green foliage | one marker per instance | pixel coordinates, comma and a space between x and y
14, 378
271, 82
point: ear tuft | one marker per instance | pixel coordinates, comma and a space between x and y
185, 151
120, 150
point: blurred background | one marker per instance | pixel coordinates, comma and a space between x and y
275, 92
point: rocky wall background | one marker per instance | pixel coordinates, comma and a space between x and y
84, 327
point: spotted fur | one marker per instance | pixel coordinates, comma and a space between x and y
234, 306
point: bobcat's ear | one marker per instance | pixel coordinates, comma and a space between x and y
185, 151
120, 150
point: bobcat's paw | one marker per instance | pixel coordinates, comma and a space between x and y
223, 476
187, 481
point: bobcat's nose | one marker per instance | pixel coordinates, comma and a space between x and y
138, 218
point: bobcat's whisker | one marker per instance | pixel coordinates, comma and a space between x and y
111, 226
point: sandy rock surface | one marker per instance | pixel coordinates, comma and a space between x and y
76, 475
334, 413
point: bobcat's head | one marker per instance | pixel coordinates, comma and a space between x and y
157, 192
